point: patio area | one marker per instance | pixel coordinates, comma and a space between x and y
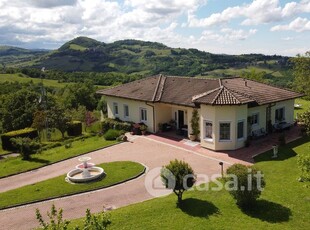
243, 155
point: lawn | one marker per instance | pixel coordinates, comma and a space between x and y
25, 79
15, 165
46, 82
57, 186
284, 204
305, 105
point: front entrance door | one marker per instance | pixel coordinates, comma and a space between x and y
180, 119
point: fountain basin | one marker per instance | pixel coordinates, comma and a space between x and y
85, 175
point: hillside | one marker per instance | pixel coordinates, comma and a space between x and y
140, 57
14, 56
143, 58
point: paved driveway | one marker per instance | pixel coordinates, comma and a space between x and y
148, 152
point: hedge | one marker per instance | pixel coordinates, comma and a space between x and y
74, 128
109, 123
6, 137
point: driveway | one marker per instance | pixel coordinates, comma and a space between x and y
149, 152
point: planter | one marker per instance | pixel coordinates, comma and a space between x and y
192, 137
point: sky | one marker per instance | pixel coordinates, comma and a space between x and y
216, 26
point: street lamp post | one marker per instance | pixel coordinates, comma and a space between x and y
222, 170
44, 103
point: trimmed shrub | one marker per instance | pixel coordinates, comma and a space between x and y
74, 128
178, 176
111, 134
109, 123
244, 184
25, 146
6, 137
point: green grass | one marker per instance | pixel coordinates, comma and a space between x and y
47, 82
77, 47
284, 204
305, 105
57, 186
14, 165
25, 79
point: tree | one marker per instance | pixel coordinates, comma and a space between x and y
178, 176
245, 184
58, 119
305, 119
301, 68
195, 123
254, 75
102, 105
39, 120
18, 109
80, 94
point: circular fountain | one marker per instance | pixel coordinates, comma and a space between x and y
85, 171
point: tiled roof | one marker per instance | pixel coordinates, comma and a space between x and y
190, 91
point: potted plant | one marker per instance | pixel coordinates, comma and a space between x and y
160, 127
195, 125
143, 129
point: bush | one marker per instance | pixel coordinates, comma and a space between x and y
6, 137
303, 162
74, 128
25, 146
244, 184
111, 134
175, 174
109, 123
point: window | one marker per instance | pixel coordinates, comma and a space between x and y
240, 130
208, 129
143, 114
255, 119
280, 115
224, 131
126, 111
115, 109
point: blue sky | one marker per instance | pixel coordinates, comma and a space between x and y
217, 26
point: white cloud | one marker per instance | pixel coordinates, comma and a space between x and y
227, 35
257, 12
298, 25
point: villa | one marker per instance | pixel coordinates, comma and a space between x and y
230, 109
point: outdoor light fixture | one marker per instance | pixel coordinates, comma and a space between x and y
222, 171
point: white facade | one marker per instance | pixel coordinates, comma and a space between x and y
221, 127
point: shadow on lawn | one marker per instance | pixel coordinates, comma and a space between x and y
269, 211
284, 152
198, 208
38, 160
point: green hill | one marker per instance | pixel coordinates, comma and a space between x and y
141, 57
14, 56
144, 58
